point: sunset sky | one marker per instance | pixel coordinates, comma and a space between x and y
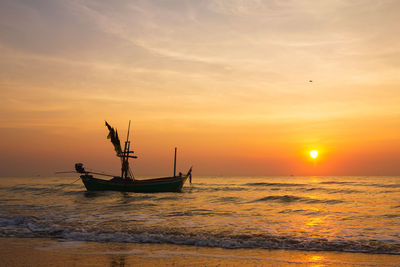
227, 82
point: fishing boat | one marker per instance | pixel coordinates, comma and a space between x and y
126, 182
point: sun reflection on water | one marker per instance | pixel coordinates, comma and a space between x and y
315, 221
317, 261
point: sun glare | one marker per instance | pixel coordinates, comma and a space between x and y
314, 154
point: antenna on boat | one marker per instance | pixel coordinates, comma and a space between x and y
175, 163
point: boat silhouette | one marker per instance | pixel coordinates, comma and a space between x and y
126, 182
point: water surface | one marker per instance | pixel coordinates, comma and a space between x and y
356, 214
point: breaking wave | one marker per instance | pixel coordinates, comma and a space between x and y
28, 226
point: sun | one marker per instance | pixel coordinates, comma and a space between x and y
314, 154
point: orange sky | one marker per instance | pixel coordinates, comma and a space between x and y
225, 81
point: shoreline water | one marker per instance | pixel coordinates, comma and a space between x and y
53, 252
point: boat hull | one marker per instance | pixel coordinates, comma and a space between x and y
167, 184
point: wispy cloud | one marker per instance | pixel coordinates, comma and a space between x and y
242, 65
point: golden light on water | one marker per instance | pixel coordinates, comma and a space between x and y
314, 154
317, 260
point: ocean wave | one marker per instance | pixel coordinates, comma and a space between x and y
274, 184
27, 226
35, 190
333, 191
290, 211
396, 185
226, 200
391, 215
336, 182
290, 198
217, 188
386, 185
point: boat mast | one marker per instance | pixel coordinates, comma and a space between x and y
125, 156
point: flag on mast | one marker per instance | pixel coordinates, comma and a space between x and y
113, 135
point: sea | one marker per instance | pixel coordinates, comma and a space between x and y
313, 213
